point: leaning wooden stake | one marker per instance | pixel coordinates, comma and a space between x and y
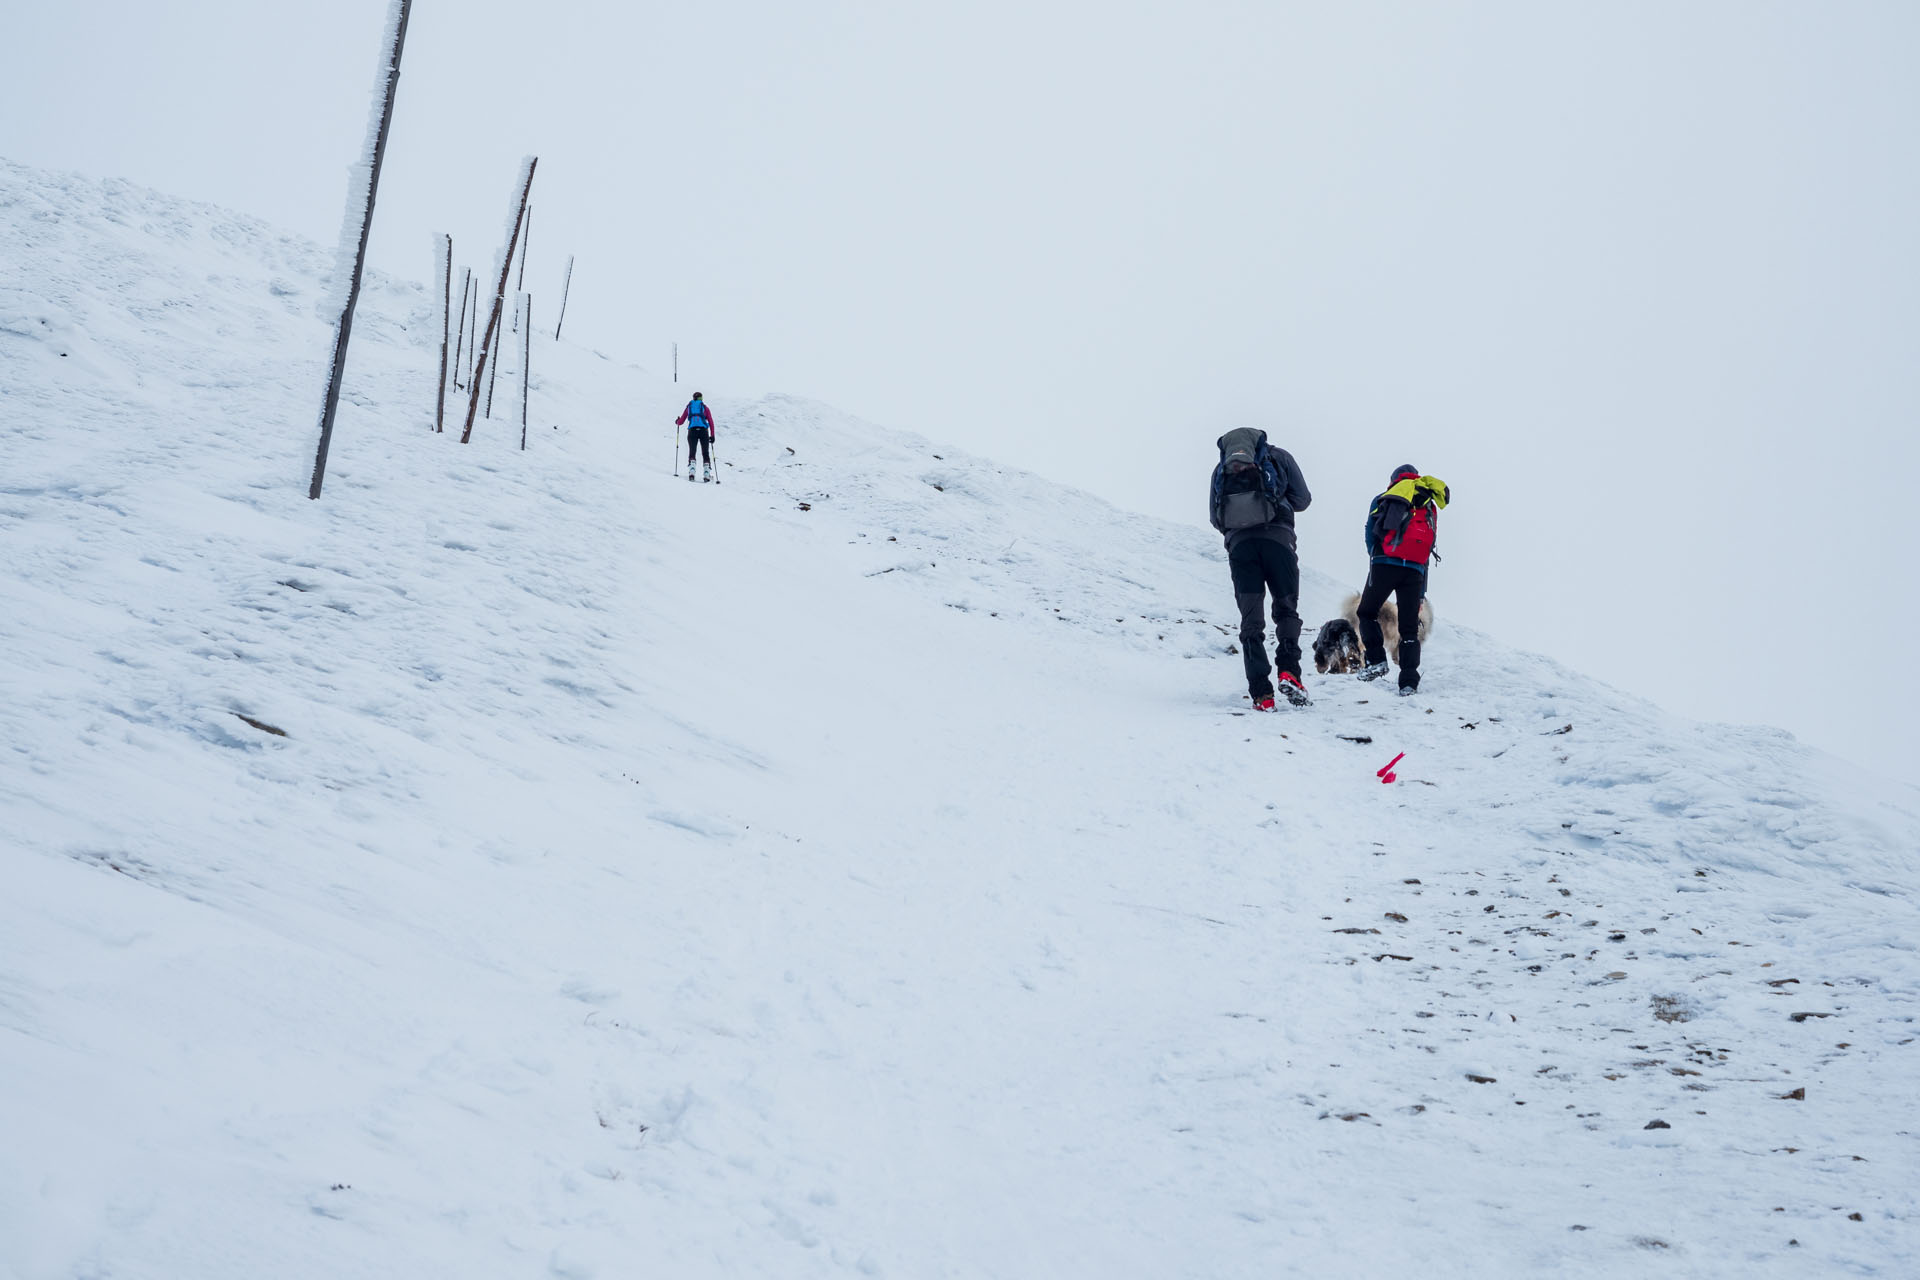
564, 290
499, 294
445, 246
397, 38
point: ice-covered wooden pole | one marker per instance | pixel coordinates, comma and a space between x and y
443, 244
500, 293
526, 360
526, 243
473, 330
520, 281
492, 378
564, 290
460, 325
360, 209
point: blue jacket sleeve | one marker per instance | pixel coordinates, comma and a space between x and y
1294, 484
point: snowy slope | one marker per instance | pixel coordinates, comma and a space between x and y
662, 879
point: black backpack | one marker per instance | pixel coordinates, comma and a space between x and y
1246, 485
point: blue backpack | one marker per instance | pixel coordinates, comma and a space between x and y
1247, 491
697, 416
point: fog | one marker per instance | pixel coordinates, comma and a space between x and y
1640, 281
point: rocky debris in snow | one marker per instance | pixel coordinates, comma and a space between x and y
1671, 1008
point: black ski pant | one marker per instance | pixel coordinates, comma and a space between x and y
702, 439
1260, 566
1407, 586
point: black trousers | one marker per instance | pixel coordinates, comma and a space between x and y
1261, 566
1407, 586
701, 438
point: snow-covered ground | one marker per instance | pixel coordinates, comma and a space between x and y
866, 865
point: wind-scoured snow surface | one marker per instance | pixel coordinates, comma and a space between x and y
534, 864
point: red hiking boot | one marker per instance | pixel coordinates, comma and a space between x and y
1291, 688
1263, 704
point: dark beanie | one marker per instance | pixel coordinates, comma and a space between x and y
1404, 470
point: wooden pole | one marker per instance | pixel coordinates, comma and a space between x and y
520, 281
492, 378
499, 300
473, 333
526, 362
344, 330
565, 289
526, 243
446, 321
460, 325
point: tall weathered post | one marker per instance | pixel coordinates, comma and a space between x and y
499, 294
564, 290
396, 39
445, 247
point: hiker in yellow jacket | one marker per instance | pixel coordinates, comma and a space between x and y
1401, 527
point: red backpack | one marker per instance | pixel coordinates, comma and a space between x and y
1414, 540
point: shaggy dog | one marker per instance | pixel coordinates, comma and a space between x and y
1336, 650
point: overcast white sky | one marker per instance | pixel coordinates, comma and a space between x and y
1640, 280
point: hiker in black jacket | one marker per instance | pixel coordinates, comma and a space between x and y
1256, 489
